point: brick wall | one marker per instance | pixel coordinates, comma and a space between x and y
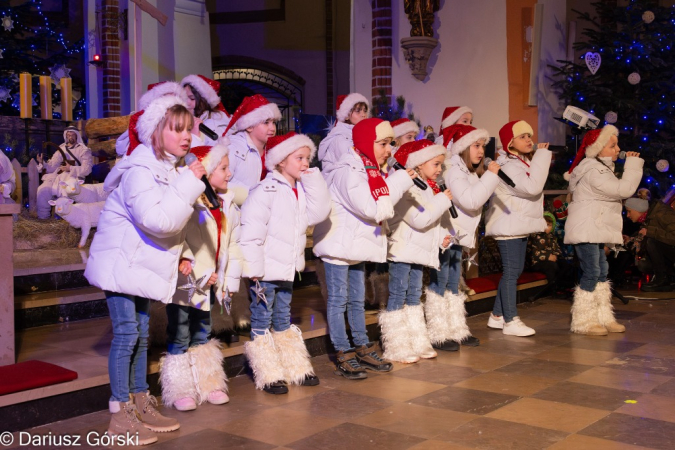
382, 48
111, 56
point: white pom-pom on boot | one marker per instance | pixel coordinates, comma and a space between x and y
210, 377
437, 314
293, 356
396, 336
263, 358
603, 297
585, 314
459, 330
178, 385
419, 337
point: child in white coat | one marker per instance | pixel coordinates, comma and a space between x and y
134, 255
471, 187
351, 109
513, 214
274, 221
415, 240
191, 372
363, 199
203, 101
593, 221
405, 130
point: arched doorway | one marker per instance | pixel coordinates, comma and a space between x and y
242, 76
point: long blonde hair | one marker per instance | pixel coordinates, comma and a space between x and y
177, 118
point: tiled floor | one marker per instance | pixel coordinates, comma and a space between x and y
555, 390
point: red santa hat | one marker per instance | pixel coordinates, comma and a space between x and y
252, 111
459, 137
416, 153
345, 103
152, 115
369, 131
451, 115
209, 89
592, 144
404, 126
157, 90
512, 130
209, 156
279, 147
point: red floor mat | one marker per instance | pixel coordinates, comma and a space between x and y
32, 374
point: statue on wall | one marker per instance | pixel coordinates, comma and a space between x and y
421, 16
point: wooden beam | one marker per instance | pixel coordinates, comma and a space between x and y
262, 15
154, 12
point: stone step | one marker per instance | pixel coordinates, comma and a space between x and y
52, 307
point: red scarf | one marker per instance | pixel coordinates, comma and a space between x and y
643, 217
378, 187
434, 187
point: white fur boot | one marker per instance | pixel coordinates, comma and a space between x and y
293, 355
585, 314
263, 358
459, 330
396, 336
437, 314
419, 337
603, 297
177, 380
208, 366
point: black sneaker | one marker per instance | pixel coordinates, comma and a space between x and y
369, 359
661, 284
447, 346
470, 341
349, 368
310, 380
276, 388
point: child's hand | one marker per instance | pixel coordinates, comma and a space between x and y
197, 169
446, 241
66, 167
542, 145
185, 267
553, 258
212, 279
643, 231
448, 194
412, 173
195, 128
632, 154
254, 279
494, 167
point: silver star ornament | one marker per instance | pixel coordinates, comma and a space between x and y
193, 286
471, 260
259, 293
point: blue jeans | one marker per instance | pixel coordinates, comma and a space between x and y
346, 292
187, 327
513, 261
405, 285
277, 311
447, 278
594, 266
128, 358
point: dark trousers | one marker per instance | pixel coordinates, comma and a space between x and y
662, 257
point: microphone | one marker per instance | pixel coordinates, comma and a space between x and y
622, 154
397, 166
453, 210
211, 196
505, 178
208, 132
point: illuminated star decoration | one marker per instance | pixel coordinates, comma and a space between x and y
617, 249
471, 260
193, 286
7, 23
16, 102
259, 293
456, 238
4, 94
59, 71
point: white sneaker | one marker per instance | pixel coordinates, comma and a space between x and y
496, 322
517, 328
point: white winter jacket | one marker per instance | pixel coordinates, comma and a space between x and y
201, 242
519, 211
217, 121
274, 224
337, 143
594, 216
351, 233
469, 193
416, 231
245, 162
141, 229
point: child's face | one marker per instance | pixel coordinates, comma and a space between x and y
358, 114
465, 119
295, 164
190, 99
633, 215
408, 137
263, 131
431, 169
221, 176
477, 151
611, 149
382, 150
549, 227
176, 143
523, 143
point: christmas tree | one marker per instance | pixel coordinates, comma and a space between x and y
626, 77
31, 42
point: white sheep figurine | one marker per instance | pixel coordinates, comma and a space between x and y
82, 193
78, 215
